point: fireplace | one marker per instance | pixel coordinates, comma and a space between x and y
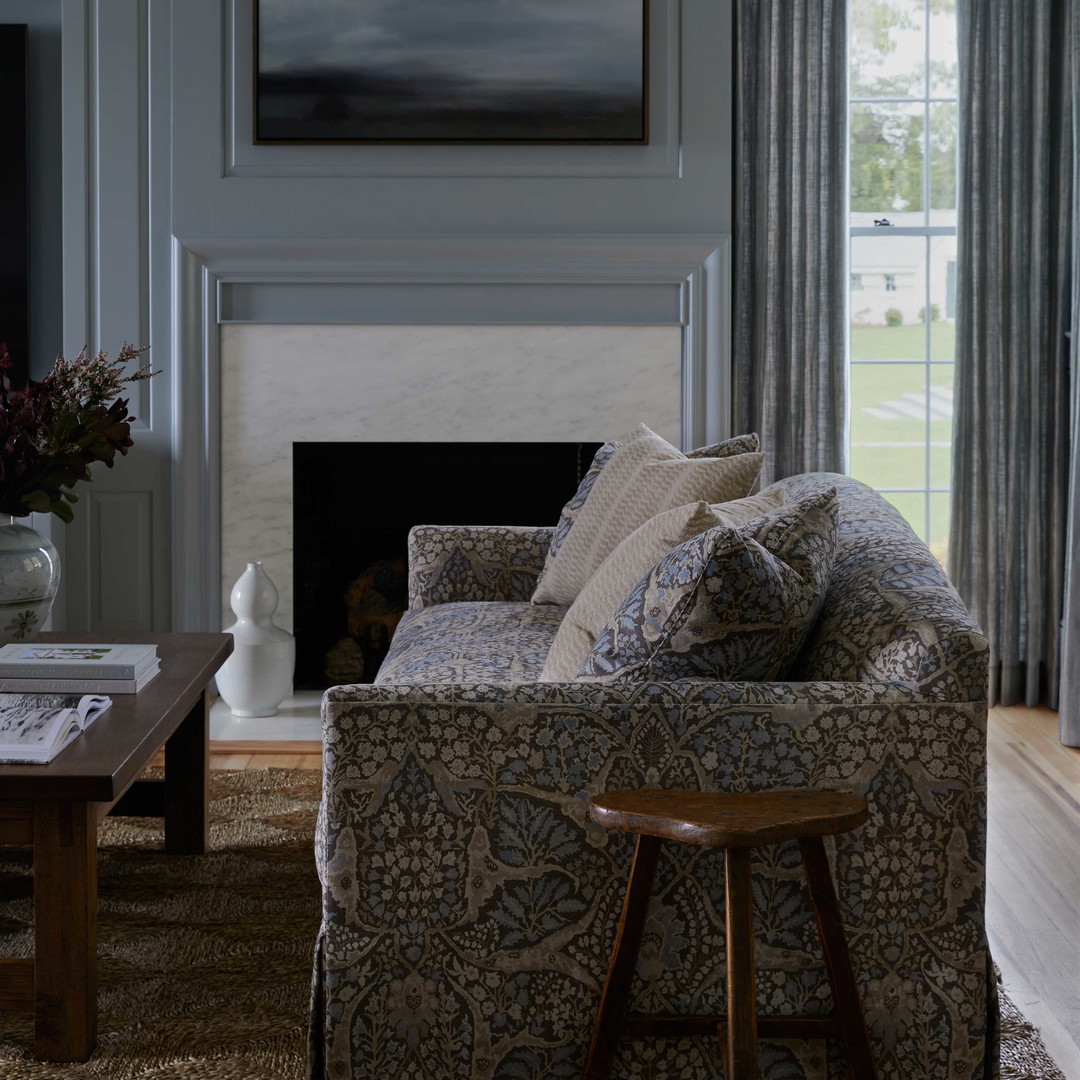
353, 506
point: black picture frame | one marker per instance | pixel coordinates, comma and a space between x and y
434, 89
14, 196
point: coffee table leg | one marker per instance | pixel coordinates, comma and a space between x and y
65, 930
187, 776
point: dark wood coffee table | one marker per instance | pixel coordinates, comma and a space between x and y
55, 809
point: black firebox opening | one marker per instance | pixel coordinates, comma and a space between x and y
353, 506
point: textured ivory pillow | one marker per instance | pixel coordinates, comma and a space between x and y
727, 604
628, 563
740, 444
643, 477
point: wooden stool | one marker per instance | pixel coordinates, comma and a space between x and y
735, 823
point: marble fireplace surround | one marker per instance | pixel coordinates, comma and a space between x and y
636, 327
416, 384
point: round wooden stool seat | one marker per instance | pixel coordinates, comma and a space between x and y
736, 823
721, 819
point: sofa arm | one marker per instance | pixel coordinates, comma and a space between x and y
469, 906
449, 563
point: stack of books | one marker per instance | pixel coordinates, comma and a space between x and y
77, 669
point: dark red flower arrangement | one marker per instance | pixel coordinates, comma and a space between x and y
52, 431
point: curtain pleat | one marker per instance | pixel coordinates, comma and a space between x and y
1069, 705
1010, 460
790, 250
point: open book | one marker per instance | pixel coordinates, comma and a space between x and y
34, 728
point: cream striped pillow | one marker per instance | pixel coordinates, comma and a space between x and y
635, 556
645, 476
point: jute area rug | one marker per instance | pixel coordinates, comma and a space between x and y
205, 962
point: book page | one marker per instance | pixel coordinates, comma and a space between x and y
89, 706
40, 701
34, 724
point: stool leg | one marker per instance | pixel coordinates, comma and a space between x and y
615, 998
742, 1048
845, 991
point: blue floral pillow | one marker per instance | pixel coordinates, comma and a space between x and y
729, 604
740, 444
570, 510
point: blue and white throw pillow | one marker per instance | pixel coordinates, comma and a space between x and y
570, 510
729, 604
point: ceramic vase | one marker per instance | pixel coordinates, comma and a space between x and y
29, 578
258, 675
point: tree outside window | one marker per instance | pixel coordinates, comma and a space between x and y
902, 159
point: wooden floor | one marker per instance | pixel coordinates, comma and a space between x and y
1033, 874
266, 755
1033, 863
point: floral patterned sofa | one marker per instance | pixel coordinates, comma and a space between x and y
469, 908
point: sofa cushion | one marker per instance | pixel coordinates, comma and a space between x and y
891, 613
738, 444
482, 641
628, 563
573, 507
643, 477
729, 604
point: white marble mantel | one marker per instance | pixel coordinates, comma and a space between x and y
282, 384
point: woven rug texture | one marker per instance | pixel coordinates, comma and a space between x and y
205, 961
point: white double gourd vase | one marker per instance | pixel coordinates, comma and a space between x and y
29, 578
258, 675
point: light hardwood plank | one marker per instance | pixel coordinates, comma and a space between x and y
1033, 874
290, 747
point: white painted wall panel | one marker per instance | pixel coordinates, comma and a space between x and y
122, 558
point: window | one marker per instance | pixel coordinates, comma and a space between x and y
902, 161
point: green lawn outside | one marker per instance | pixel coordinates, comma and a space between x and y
890, 452
903, 342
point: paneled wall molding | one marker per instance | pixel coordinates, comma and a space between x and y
679, 279
111, 578
174, 224
661, 158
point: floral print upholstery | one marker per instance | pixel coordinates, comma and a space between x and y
469, 907
448, 563
570, 510
451, 643
739, 444
891, 613
729, 603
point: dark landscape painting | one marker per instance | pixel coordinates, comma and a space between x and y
468, 71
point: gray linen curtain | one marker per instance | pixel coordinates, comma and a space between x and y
1010, 465
790, 250
1070, 631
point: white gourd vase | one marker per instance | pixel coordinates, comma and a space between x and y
258, 675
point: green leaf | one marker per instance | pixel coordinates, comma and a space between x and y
62, 511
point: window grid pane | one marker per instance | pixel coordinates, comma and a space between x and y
903, 142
